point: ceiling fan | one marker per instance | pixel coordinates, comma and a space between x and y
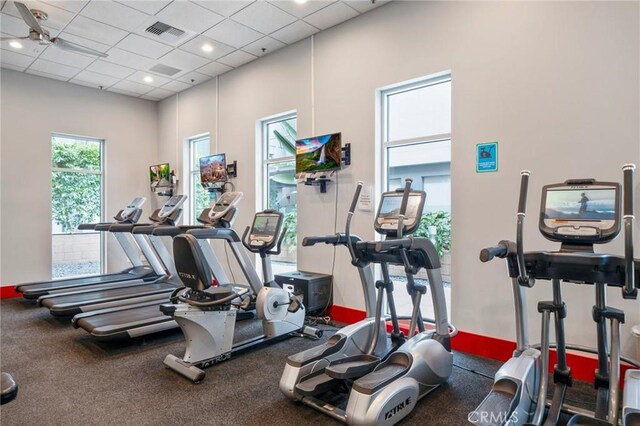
33, 18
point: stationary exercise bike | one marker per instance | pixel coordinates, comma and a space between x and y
364, 375
519, 393
207, 314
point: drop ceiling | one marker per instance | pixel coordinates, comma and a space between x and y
217, 37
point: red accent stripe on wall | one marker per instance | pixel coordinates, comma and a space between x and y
582, 366
8, 291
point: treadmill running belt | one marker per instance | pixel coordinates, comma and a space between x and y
118, 325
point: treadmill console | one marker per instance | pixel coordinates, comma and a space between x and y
580, 211
172, 205
131, 208
386, 221
265, 229
224, 203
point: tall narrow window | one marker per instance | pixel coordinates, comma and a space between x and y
416, 143
279, 184
76, 198
198, 196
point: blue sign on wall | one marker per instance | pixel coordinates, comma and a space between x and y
487, 157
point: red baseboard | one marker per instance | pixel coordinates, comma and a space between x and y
582, 366
8, 291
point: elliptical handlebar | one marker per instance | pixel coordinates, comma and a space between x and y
352, 208
487, 254
628, 291
523, 278
403, 205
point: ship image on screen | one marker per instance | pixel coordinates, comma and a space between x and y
320, 153
264, 225
213, 169
390, 208
160, 175
581, 204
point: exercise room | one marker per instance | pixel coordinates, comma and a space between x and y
319, 212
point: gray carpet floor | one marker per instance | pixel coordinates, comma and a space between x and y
66, 378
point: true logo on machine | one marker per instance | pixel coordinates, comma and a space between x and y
395, 410
187, 276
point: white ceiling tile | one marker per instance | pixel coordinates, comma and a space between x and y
49, 67
47, 75
130, 86
294, 32
301, 10
95, 79
176, 86
267, 43
183, 60
194, 78
143, 46
16, 59
331, 15
159, 93
233, 34
107, 68
263, 17
237, 58
12, 67
188, 16
150, 7
195, 46
214, 68
123, 92
70, 5
128, 59
100, 47
139, 77
57, 19
29, 48
13, 26
96, 31
116, 14
363, 6
224, 8
65, 57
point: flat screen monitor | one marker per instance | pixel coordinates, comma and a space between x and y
160, 175
213, 169
319, 154
389, 210
581, 204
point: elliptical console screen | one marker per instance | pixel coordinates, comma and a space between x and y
580, 212
389, 210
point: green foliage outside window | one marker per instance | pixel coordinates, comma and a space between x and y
75, 196
442, 221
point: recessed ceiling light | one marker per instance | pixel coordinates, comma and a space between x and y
15, 44
301, 1
148, 79
207, 47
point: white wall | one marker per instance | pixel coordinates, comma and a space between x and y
556, 83
32, 109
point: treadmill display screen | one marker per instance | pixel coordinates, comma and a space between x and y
589, 204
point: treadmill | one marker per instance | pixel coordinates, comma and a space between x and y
139, 271
74, 302
144, 317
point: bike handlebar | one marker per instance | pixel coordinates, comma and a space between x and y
486, 254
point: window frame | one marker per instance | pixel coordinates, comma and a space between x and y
102, 172
193, 171
264, 160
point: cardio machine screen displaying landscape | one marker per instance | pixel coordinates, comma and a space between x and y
320, 153
581, 204
264, 225
390, 208
160, 175
213, 169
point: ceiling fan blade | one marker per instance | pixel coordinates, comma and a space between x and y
28, 17
12, 38
67, 45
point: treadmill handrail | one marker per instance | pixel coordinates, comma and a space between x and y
215, 234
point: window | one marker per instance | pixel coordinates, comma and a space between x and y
198, 196
279, 183
76, 198
416, 143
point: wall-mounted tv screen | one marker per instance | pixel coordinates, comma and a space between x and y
160, 175
320, 153
213, 169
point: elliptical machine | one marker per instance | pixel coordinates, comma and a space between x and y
207, 314
364, 375
519, 392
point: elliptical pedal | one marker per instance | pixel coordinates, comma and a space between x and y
352, 367
498, 406
316, 384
